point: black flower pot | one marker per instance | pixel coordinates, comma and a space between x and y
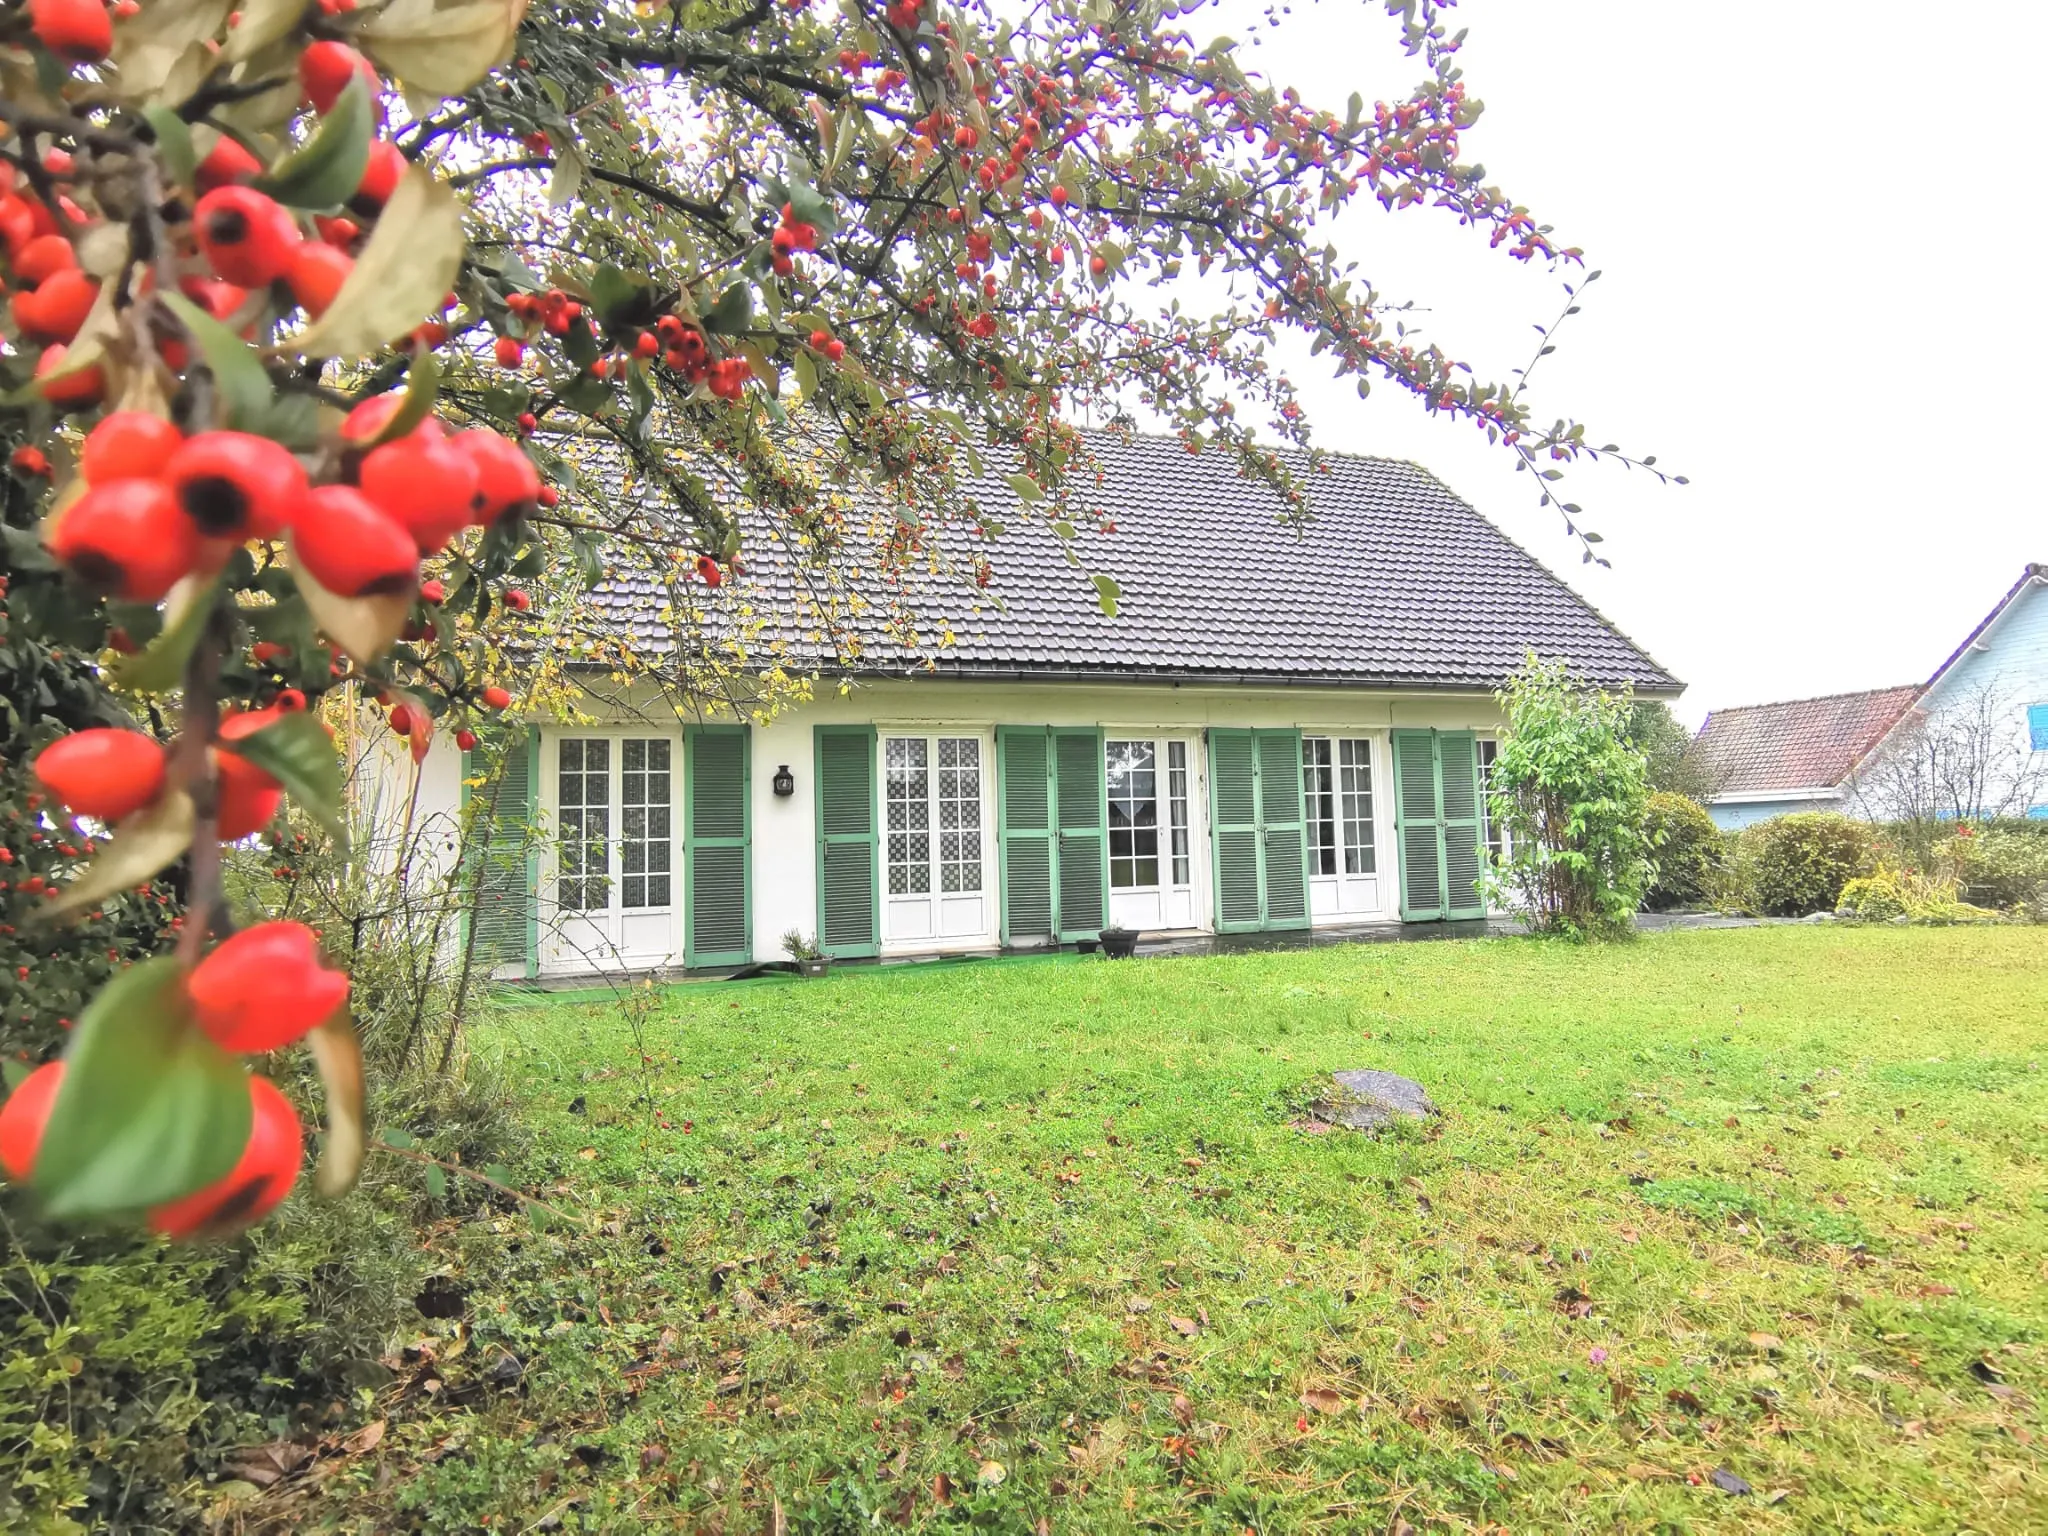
1119, 943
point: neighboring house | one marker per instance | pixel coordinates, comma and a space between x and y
1971, 741
1769, 759
1280, 729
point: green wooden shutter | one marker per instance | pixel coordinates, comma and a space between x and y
1420, 826
717, 830
1234, 830
1458, 776
503, 852
1283, 834
1080, 799
1024, 831
849, 871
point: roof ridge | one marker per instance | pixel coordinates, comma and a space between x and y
1816, 698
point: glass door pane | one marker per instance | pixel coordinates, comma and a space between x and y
646, 844
906, 801
960, 815
584, 803
1133, 814
1354, 782
1319, 804
1177, 809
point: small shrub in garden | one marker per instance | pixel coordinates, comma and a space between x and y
1998, 867
1792, 865
1688, 848
1572, 794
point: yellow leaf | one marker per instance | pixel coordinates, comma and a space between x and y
445, 49
142, 844
403, 273
362, 626
161, 41
340, 1060
263, 23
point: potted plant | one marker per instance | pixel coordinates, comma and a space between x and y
810, 960
1120, 943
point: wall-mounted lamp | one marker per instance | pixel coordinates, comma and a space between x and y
784, 782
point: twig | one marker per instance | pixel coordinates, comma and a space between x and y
201, 711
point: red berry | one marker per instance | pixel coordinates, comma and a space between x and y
236, 485
291, 701
465, 739
495, 698
510, 351
128, 445
316, 274
325, 70
226, 164
820, 340
835, 349
352, 547
432, 591
248, 238
264, 988
80, 387
73, 29
426, 483
23, 1117
127, 537
43, 257
248, 797
103, 773
366, 422
380, 176
1059, 197
518, 601
338, 232
30, 461
506, 481
268, 1168
708, 571
56, 307
401, 720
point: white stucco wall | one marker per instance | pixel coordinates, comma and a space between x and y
784, 848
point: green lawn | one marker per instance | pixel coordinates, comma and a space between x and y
1041, 1245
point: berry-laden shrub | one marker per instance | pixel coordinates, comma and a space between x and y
1572, 794
1792, 865
1688, 848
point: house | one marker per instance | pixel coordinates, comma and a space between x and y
1280, 728
1971, 741
1767, 760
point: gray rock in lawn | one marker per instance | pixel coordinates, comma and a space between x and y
1370, 1100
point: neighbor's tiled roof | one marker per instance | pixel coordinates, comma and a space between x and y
1394, 582
1798, 744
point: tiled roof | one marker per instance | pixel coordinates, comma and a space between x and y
1394, 581
1798, 744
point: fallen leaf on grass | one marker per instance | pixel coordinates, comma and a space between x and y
1728, 1482
1186, 1327
368, 1438
1323, 1400
1643, 1472
587, 1153
1766, 1343
265, 1465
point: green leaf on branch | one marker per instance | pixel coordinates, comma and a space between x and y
396, 1136
298, 753
437, 1182
173, 143
408, 266
142, 845
158, 43
442, 49
150, 1109
422, 384
1026, 488
567, 179
733, 312
813, 207
325, 171
806, 370
1107, 593
161, 667
237, 371
617, 298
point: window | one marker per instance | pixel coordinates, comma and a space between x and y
1133, 814
646, 844
906, 791
927, 780
1496, 850
585, 802
959, 814
1177, 807
1354, 784
1319, 804
2037, 727
614, 794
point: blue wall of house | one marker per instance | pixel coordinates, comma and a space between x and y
2012, 667
1745, 813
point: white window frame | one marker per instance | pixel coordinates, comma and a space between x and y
990, 892
562, 950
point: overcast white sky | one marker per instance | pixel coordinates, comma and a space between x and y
1822, 301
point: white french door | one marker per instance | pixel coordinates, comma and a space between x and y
1151, 832
616, 894
938, 882
1337, 802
